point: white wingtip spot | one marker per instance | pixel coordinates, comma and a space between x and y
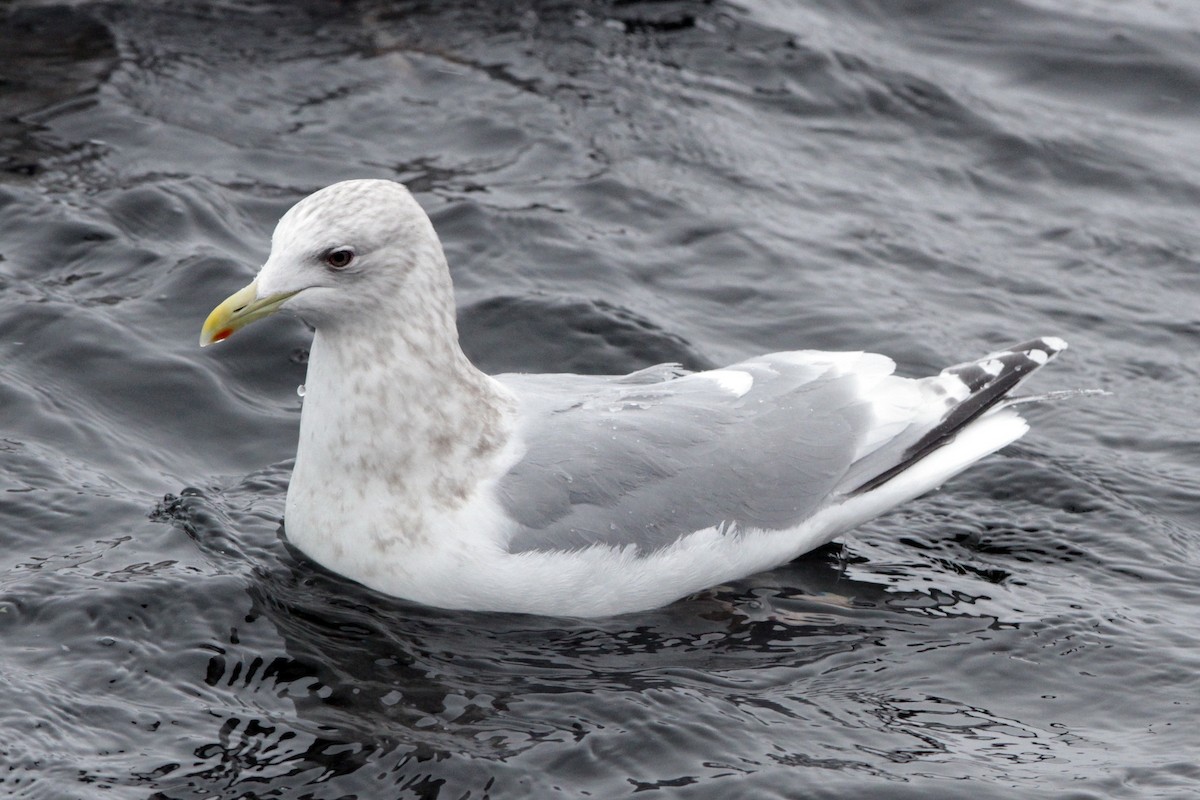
1054, 343
992, 366
733, 381
1040, 356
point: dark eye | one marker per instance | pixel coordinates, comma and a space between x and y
340, 258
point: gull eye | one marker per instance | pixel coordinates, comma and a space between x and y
339, 258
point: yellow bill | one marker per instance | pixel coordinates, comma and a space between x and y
237, 311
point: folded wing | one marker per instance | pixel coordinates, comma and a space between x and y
762, 445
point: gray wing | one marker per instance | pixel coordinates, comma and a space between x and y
644, 459
642, 462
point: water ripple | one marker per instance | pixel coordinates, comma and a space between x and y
617, 184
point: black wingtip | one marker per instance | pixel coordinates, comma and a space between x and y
988, 381
998, 373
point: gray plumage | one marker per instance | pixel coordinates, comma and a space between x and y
645, 459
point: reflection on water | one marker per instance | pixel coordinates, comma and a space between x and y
380, 687
617, 184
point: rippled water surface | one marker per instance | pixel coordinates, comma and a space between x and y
617, 184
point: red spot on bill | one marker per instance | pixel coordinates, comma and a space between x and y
223, 335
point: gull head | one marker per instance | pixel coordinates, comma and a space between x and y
339, 255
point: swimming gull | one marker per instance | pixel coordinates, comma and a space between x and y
422, 477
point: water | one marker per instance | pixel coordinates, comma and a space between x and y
617, 184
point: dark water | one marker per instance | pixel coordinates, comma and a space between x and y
617, 184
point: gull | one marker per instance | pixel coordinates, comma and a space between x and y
422, 477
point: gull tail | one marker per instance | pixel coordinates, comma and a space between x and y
973, 417
982, 387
